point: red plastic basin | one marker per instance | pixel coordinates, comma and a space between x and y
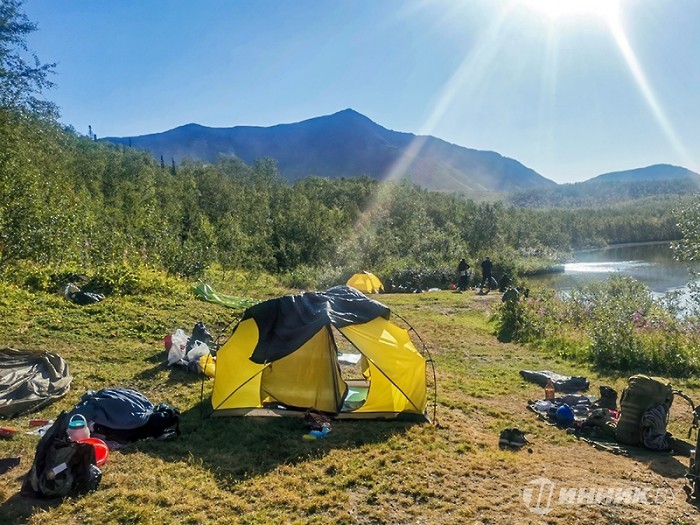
101, 449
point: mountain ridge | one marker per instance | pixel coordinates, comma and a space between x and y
656, 172
346, 144
614, 188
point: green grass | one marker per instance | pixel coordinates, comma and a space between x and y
260, 471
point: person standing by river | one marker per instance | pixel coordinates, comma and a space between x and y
486, 274
463, 272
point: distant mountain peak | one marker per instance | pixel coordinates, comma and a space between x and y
191, 125
653, 172
346, 144
347, 116
350, 112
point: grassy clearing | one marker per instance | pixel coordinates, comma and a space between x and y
228, 470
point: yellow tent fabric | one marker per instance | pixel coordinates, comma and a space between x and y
305, 378
237, 380
310, 377
396, 369
366, 282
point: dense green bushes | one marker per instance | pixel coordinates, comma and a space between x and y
117, 279
616, 325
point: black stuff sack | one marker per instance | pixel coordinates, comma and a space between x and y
61, 467
199, 333
163, 423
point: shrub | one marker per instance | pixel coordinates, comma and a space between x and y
127, 280
116, 279
412, 279
616, 325
313, 278
529, 319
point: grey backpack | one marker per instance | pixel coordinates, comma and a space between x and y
642, 393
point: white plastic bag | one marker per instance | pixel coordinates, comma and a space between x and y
178, 343
198, 350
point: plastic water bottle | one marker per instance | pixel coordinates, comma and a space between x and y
78, 428
549, 389
318, 434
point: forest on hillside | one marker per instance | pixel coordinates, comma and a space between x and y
66, 200
596, 194
71, 204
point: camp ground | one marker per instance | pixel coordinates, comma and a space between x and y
234, 469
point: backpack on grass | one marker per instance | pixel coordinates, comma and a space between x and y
641, 394
61, 467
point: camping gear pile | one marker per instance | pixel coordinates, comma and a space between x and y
71, 451
640, 420
193, 353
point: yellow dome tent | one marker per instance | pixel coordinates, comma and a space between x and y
365, 282
282, 359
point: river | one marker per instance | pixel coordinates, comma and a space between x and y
651, 263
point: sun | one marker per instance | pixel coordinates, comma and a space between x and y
557, 10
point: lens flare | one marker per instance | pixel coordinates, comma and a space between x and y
560, 9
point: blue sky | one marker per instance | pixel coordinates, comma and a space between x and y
570, 88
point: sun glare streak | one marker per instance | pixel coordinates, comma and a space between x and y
467, 76
559, 9
469, 73
648, 94
548, 90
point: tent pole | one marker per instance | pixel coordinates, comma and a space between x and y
237, 319
201, 401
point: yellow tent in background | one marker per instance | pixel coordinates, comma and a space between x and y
365, 282
282, 359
